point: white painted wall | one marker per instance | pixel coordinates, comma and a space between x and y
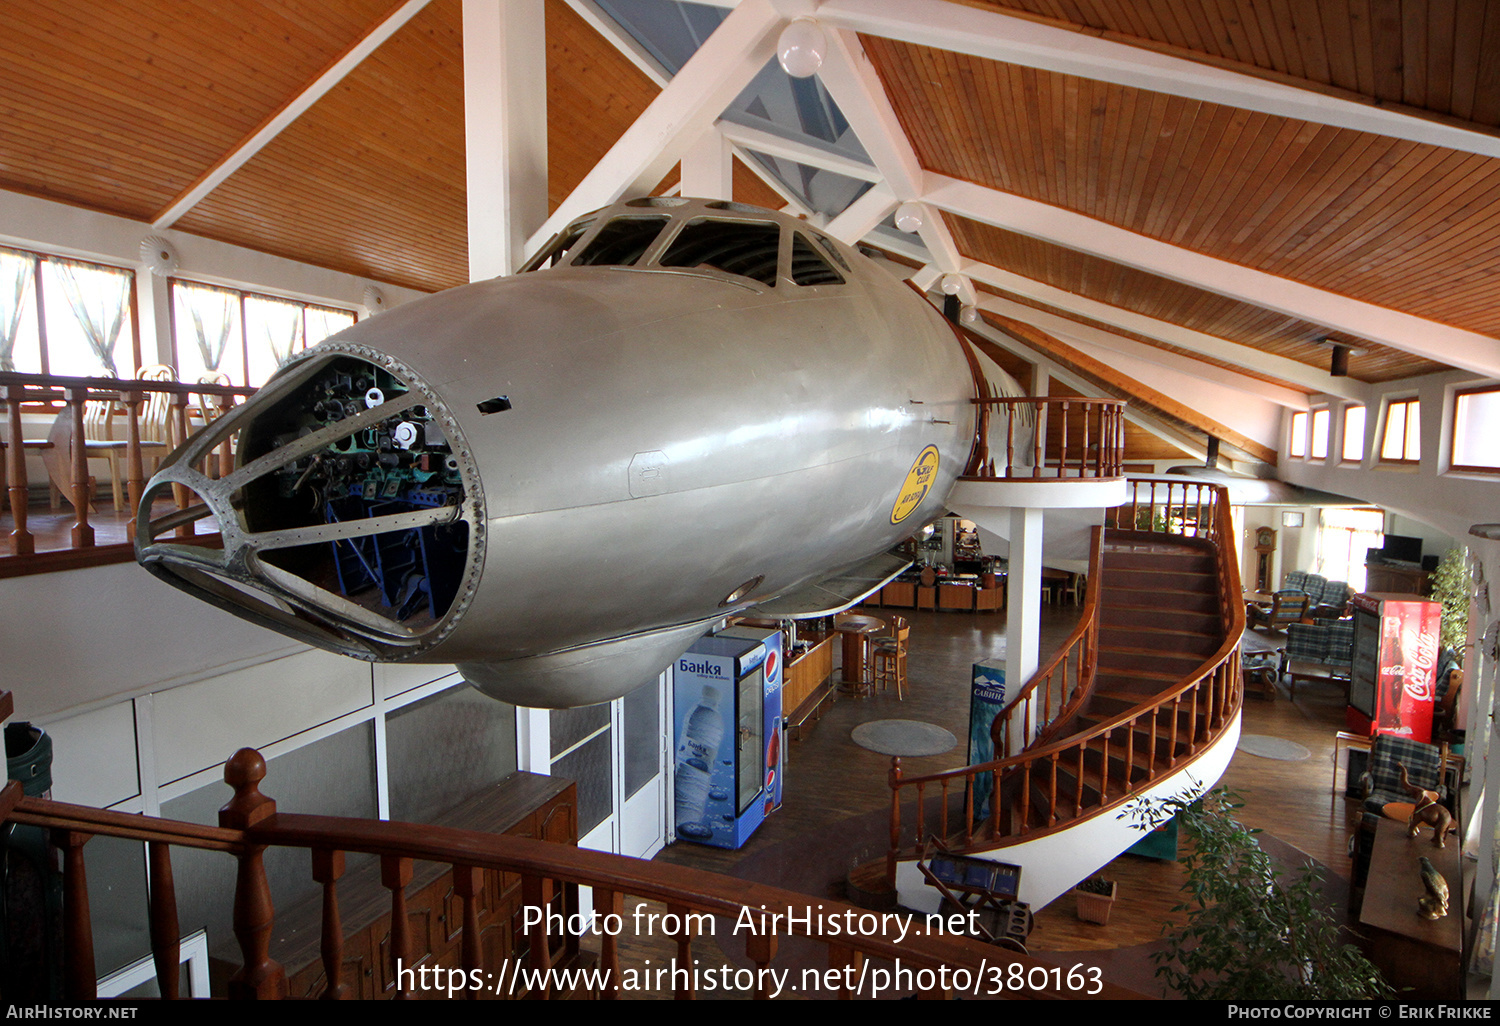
1431, 494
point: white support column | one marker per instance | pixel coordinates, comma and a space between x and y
534, 740
152, 304
505, 130
708, 168
1023, 603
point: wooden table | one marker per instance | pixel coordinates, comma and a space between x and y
1424, 954
857, 630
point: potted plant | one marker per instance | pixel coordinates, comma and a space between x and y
1452, 584
1095, 897
1251, 931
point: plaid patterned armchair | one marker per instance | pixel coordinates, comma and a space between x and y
1319, 651
1424, 767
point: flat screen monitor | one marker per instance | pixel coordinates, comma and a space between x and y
1402, 549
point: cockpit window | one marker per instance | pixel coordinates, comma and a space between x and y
622, 241
737, 247
558, 249
808, 265
831, 250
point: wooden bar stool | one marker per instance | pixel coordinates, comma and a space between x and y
890, 657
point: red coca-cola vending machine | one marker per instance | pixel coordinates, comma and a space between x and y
1393, 678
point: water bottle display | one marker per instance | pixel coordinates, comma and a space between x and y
727, 720
697, 748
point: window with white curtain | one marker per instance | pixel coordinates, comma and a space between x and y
1344, 535
243, 336
65, 317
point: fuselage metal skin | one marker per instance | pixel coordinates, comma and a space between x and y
664, 447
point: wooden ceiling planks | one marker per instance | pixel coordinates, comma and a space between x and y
118, 107
1390, 222
1175, 302
371, 179
1435, 56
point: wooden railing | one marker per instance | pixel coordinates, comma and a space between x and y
250, 823
121, 420
1186, 716
1070, 438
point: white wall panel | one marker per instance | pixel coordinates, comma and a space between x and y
204, 723
93, 756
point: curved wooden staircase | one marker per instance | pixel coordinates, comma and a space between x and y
1147, 683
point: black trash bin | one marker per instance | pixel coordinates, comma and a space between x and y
30, 881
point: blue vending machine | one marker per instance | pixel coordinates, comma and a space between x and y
727, 721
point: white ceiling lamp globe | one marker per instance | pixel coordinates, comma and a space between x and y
969, 315
909, 218
801, 48
953, 284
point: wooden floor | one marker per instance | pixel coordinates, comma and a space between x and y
834, 816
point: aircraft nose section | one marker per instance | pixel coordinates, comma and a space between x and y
352, 518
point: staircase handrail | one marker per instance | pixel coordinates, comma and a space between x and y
1219, 672
250, 823
1084, 640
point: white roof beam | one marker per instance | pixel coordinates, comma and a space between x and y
1430, 339
620, 40
861, 216
802, 151
685, 109
1247, 357
271, 127
1001, 37
1069, 330
851, 80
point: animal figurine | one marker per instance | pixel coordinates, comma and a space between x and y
1427, 810
1435, 904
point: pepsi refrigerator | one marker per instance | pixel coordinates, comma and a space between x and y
1393, 678
727, 721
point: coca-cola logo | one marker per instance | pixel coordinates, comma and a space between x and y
1419, 682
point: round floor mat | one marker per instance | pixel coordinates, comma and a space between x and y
903, 737
1268, 747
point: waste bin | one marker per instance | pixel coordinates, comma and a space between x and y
30, 880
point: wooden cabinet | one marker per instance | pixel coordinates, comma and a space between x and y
1424, 955
521, 805
1404, 580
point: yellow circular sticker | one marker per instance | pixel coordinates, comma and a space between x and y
917, 484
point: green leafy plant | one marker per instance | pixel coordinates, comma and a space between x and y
1250, 933
1452, 583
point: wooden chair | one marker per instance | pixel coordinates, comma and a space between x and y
890, 657
1286, 607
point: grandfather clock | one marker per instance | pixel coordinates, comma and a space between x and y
1265, 546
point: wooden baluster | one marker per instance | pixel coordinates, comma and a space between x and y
969, 779
135, 467
921, 812
943, 812
468, 884
609, 903
760, 948
166, 936
226, 449
327, 867
684, 938
982, 450
1052, 793
259, 977
1104, 770
895, 840
1062, 446
1025, 796
1130, 753
78, 930
83, 532
1155, 717
1083, 456
1193, 721
1038, 440
847, 963
1078, 794
179, 415
996, 779
1010, 440
21, 541
537, 892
